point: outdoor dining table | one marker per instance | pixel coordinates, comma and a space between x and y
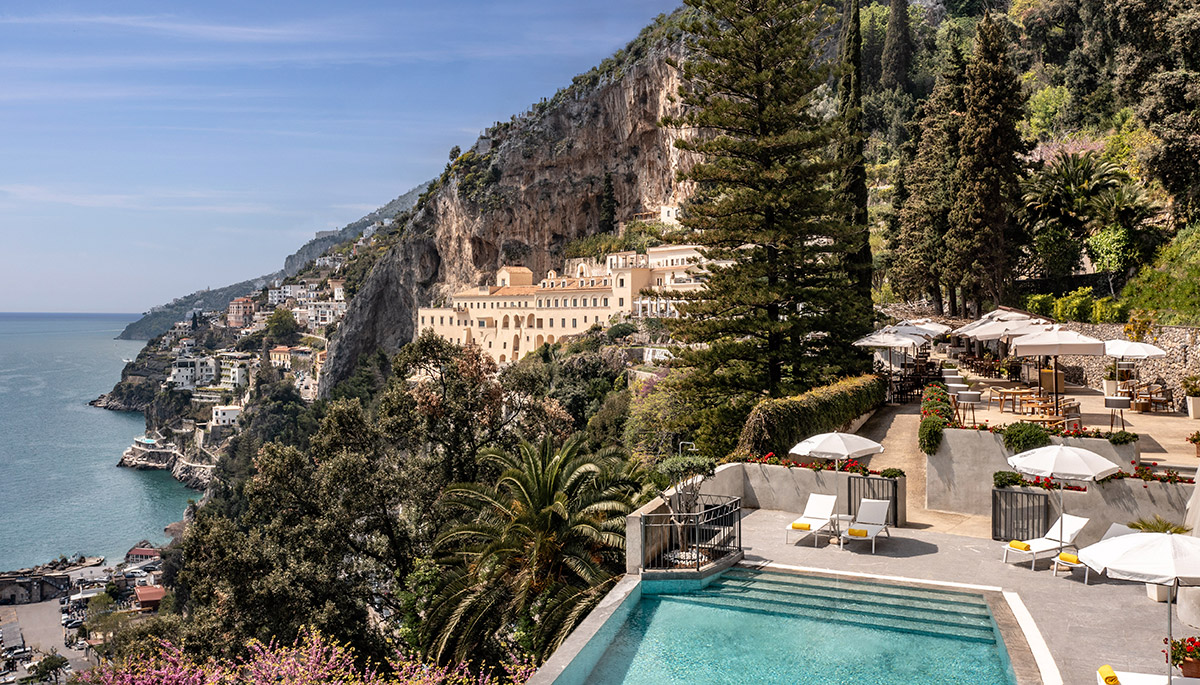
1013, 396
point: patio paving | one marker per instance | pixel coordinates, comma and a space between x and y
1162, 434
1106, 621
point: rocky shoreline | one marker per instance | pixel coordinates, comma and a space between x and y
194, 475
107, 401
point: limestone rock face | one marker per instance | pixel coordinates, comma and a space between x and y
542, 178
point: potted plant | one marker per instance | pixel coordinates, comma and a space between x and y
1110, 380
1185, 654
1158, 524
1191, 388
1194, 438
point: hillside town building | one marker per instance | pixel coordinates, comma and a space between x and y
240, 313
516, 316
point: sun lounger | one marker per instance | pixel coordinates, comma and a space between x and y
869, 522
817, 513
1059, 562
1127, 678
1060, 536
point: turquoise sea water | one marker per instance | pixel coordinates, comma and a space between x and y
60, 489
775, 629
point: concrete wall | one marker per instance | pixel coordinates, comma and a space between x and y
1120, 501
764, 486
958, 477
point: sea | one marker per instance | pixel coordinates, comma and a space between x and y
61, 492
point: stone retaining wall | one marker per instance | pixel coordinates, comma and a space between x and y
1181, 343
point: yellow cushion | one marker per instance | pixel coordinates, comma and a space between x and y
801, 526
1017, 544
1110, 677
1069, 558
856, 533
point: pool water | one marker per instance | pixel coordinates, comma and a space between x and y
751, 626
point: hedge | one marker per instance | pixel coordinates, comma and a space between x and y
776, 424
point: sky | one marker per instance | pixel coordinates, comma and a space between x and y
151, 149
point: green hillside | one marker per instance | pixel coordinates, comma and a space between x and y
1171, 286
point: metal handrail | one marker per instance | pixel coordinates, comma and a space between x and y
693, 540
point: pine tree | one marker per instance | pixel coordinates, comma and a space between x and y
608, 205
852, 184
897, 49
771, 319
872, 53
983, 236
920, 263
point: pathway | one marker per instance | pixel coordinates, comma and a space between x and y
895, 427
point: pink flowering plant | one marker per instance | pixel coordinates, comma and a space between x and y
311, 660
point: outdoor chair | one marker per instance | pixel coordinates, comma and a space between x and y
816, 517
1113, 531
1060, 536
995, 395
1164, 398
869, 522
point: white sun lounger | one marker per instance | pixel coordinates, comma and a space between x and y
1113, 531
1060, 536
817, 513
1128, 678
871, 517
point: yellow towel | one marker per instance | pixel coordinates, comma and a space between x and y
1017, 544
1110, 677
800, 526
856, 533
1069, 558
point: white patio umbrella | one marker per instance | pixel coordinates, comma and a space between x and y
1056, 341
994, 315
1158, 558
928, 324
836, 446
890, 341
1127, 349
995, 330
910, 330
1063, 462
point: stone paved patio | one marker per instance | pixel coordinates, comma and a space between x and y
1085, 627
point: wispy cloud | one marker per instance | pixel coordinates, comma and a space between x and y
68, 91
206, 201
182, 28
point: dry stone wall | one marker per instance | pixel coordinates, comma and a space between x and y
1181, 343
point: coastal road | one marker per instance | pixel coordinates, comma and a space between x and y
41, 625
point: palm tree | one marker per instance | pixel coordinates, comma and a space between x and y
1060, 211
534, 552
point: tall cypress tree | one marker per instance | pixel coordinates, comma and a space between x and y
872, 53
852, 186
897, 49
771, 319
920, 264
983, 236
608, 205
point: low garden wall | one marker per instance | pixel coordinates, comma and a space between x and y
958, 476
768, 486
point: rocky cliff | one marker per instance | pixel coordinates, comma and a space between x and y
523, 191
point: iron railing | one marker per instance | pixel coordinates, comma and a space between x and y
693, 540
1018, 515
864, 487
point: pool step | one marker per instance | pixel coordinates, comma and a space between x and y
879, 621
922, 610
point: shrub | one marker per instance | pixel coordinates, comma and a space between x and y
775, 424
1020, 437
1076, 305
929, 435
1191, 386
621, 330
1108, 310
1159, 524
1042, 305
1122, 437
1006, 479
892, 473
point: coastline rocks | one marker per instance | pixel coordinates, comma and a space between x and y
147, 455
107, 401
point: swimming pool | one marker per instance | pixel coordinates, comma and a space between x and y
752, 626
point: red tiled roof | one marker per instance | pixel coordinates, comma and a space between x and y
149, 593
142, 552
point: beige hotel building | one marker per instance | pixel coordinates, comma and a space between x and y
516, 316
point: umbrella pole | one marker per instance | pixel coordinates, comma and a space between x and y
1170, 600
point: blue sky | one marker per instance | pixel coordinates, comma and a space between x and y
150, 149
